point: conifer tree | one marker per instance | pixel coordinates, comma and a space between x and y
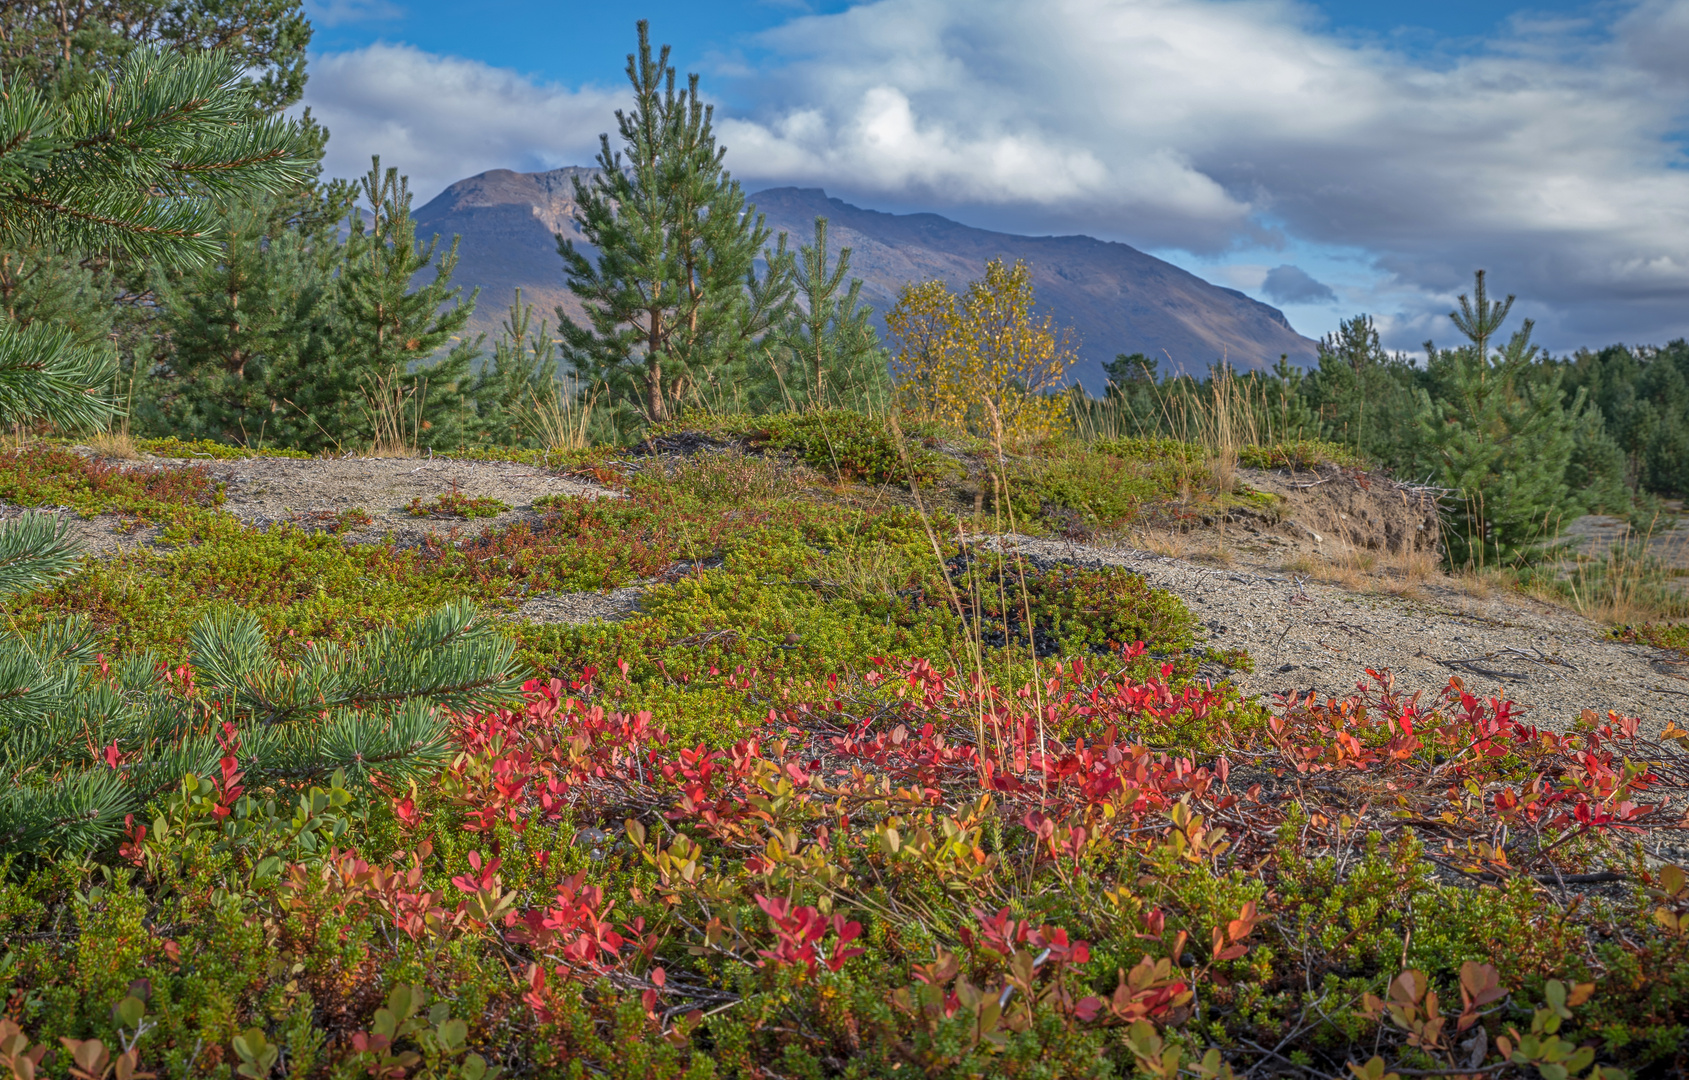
827, 351
389, 329
131, 168
135, 168
1360, 393
250, 335
673, 303
62, 47
1498, 432
519, 380
82, 746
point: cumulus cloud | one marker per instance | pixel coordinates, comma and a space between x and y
440, 118
1293, 285
341, 12
1550, 158
1202, 125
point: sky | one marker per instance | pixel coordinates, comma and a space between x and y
1331, 158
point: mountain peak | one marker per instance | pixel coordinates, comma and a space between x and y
1116, 298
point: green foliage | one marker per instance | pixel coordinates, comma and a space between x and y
1107, 485
40, 475
827, 351
1643, 396
1301, 454
787, 730
387, 328
1659, 635
1498, 433
455, 504
173, 447
1363, 396
64, 47
851, 446
1073, 612
83, 749
251, 358
519, 381
69, 181
34, 549
673, 302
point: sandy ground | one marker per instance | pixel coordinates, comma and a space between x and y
1667, 538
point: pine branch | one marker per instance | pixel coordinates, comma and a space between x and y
76, 813
34, 550
45, 374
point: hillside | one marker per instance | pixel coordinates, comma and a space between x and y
1116, 298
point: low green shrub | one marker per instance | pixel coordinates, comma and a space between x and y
1301, 454
172, 447
42, 475
455, 504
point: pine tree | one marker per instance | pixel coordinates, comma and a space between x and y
519, 381
132, 168
1360, 394
249, 336
1498, 432
136, 169
673, 302
389, 329
827, 351
62, 47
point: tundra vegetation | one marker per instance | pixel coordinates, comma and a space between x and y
853, 793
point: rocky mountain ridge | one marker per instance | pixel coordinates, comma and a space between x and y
1116, 298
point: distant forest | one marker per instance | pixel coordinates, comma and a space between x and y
1624, 409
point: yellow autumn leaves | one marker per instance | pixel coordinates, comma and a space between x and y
981, 358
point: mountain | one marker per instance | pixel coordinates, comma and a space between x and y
1116, 298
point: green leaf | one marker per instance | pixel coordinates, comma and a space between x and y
130, 1010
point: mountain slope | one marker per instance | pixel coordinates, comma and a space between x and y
1116, 298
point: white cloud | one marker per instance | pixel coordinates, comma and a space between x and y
1208, 126
439, 119
341, 12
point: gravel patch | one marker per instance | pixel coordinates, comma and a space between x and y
1305, 635
578, 608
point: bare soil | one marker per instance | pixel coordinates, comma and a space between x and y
311, 493
1666, 538
1342, 576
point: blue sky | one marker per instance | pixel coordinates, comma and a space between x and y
1330, 157
573, 41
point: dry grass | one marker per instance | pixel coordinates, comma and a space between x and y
395, 413
866, 573
1219, 555
1629, 582
114, 444
1364, 570
1170, 543
562, 420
